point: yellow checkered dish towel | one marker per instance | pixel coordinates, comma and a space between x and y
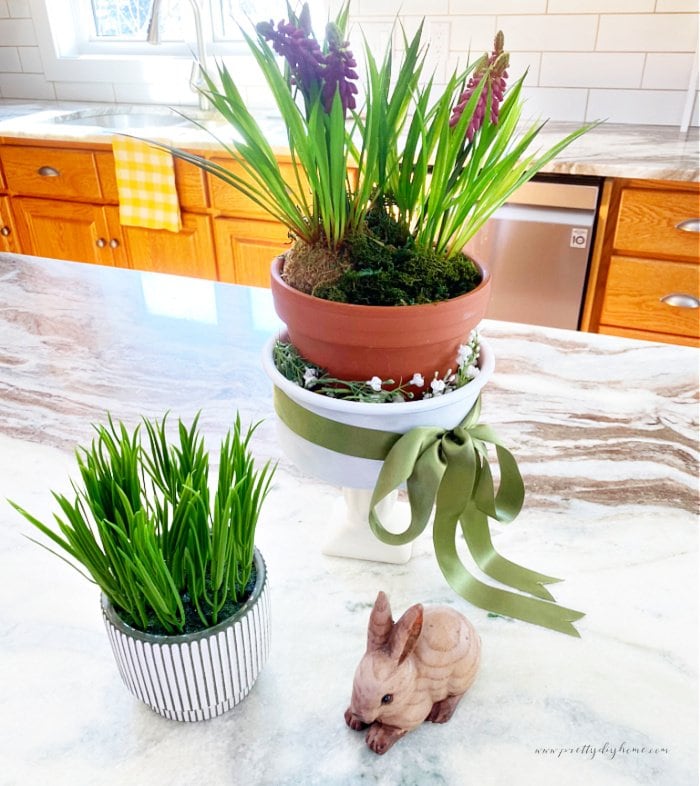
146, 185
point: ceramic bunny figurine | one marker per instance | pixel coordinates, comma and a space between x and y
414, 670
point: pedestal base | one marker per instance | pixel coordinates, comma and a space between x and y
351, 535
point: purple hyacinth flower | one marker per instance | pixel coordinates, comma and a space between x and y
494, 66
303, 53
339, 69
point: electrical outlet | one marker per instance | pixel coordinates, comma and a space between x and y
438, 33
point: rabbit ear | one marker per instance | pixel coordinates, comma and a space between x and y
405, 633
380, 623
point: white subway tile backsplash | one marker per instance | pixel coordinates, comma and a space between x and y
498, 6
9, 59
648, 32
554, 103
591, 69
30, 58
26, 86
628, 60
520, 62
377, 35
85, 91
391, 8
653, 107
570, 33
154, 93
19, 9
17, 32
676, 6
664, 71
472, 35
600, 6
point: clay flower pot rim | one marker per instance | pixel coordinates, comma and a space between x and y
276, 273
180, 638
487, 364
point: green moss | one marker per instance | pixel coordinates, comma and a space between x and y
386, 269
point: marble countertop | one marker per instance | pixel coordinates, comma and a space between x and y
605, 431
610, 150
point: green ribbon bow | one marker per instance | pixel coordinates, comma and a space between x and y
448, 470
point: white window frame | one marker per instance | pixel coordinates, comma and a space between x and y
79, 59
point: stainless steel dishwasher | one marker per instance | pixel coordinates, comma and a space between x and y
537, 247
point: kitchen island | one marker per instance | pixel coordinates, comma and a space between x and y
605, 432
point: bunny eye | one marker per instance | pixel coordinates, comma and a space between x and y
388, 698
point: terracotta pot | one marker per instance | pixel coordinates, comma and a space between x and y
392, 342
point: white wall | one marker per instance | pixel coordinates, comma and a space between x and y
629, 61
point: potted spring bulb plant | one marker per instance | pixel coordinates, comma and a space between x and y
185, 595
390, 179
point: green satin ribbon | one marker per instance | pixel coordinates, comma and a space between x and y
447, 470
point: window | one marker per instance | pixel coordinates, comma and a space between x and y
125, 20
105, 40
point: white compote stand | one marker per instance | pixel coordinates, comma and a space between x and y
349, 533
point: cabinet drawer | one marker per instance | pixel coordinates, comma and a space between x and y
648, 221
48, 172
634, 290
229, 200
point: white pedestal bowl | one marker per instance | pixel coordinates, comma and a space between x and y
350, 534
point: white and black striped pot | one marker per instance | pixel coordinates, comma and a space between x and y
196, 676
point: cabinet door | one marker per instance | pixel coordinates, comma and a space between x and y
63, 230
246, 248
8, 234
189, 252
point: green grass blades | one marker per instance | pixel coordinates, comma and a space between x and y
170, 545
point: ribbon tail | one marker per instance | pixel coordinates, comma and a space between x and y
508, 604
475, 528
415, 459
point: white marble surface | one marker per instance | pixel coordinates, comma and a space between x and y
610, 150
606, 433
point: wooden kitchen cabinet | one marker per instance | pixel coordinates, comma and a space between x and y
247, 239
245, 249
75, 231
8, 233
65, 202
645, 277
189, 252
9, 240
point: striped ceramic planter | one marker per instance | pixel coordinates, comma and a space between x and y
195, 676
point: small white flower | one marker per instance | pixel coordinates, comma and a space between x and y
472, 371
375, 383
310, 376
438, 387
417, 380
463, 354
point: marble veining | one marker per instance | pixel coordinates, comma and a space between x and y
610, 150
606, 432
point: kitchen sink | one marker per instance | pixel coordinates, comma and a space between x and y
119, 120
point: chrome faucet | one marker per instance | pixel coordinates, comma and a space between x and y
153, 37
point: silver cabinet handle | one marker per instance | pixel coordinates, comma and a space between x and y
114, 243
689, 225
5, 231
680, 300
100, 242
48, 171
